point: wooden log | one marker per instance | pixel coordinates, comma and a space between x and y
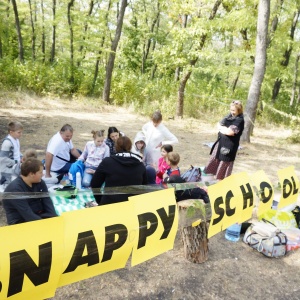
194, 238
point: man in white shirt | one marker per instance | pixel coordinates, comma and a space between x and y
59, 151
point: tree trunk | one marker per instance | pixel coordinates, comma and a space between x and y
181, 90
100, 51
259, 68
1, 53
183, 81
70, 5
112, 55
32, 30
18, 28
150, 40
194, 238
43, 32
195, 243
91, 6
286, 57
295, 80
52, 56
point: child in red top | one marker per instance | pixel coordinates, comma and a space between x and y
172, 159
162, 163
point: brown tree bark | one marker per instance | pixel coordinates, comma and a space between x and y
18, 28
70, 5
194, 238
112, 55
259, 68
43, 32
100, 51
33, 37
53, 45
195, 243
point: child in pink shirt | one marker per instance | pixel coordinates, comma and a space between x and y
162, 163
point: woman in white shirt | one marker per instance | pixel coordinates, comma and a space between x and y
157, 134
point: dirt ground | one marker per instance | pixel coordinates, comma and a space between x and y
233, 270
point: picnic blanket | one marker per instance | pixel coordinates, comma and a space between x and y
62, 204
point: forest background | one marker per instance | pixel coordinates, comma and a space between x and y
187, 58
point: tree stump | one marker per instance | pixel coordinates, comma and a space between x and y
194, 238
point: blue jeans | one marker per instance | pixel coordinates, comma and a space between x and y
87, 178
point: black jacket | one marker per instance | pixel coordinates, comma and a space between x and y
28, 209
122, 169
229, 144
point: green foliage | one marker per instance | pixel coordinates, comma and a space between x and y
197, 208
155, 42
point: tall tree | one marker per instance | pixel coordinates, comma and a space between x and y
70, 5
53, 44
18, 28
112, 54
287, 54
259, 68
96, 71
33, 37
186, 76
88, 14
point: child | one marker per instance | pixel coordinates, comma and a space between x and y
93, 153
29, 153
172, 159
10, 154
162, 163
10, 146
139, 144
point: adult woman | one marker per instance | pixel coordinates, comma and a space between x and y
157, 134
124, 168
112, 135
224, 150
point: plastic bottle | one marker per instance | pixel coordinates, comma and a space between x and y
233, 232
78, 180
71, 178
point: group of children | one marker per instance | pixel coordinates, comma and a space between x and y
94, 152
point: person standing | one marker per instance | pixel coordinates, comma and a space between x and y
10, 153
59, 152
28, 209
224, 150
157, 135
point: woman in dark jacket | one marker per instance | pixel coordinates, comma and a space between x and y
123, 169
112, 135
224, 150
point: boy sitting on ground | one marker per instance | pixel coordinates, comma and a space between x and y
172, 160
28, 209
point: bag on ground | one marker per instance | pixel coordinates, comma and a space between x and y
281, 219
193, 174
266, 238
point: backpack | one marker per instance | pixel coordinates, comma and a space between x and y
193, 174
77, 166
